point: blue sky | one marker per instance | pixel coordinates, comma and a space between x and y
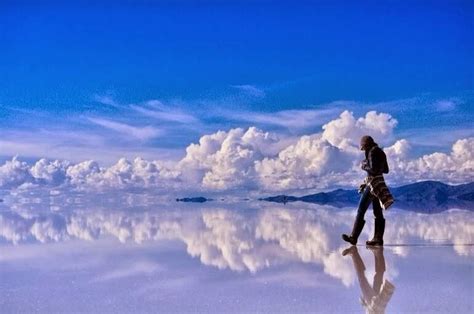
88, 71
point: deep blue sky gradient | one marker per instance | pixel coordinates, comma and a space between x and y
57, 55
55, 58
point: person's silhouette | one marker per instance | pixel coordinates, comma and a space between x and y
373, 191
376, 297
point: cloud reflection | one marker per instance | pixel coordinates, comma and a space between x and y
242, 240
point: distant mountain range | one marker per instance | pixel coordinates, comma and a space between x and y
426, 196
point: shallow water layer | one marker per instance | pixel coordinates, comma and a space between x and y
230, 257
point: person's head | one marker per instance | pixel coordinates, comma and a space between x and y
366, 142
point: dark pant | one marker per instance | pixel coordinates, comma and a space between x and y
364, 203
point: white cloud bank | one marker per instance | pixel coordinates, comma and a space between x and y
257, 160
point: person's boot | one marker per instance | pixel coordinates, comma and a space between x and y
350, 250
356, 230
378, 234
356, 259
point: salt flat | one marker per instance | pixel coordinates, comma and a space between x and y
146, 256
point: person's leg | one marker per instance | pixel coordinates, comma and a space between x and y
379, 223
382, 288
367, 291
377, 208
364, 203
379, 268
359, 222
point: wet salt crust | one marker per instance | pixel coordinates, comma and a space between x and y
239, 257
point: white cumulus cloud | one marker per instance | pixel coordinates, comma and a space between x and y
252, 159
346, 131
14, 173
226, 160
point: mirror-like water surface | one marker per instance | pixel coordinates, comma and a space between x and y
238, 257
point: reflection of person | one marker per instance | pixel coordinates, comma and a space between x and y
376, 297
373, 191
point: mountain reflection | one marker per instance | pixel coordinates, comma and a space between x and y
374, 297
241, 239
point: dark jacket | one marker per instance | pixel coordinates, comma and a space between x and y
375, 162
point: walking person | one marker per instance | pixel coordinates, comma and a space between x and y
374, 191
